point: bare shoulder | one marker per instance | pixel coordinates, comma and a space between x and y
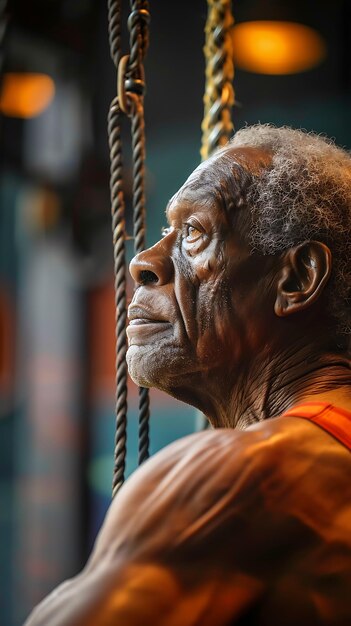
214, 512
205, 478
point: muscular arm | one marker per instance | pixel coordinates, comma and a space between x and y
205, 532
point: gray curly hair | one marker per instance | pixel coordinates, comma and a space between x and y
305, 194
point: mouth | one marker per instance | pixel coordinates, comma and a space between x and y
143, 324
139, 321
139, 315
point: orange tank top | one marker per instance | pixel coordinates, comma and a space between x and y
334, 420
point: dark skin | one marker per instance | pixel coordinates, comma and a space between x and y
242, 337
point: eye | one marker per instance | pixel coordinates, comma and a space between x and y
192, 233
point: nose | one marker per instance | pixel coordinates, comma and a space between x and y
153, 266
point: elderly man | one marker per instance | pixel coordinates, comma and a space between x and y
242, 310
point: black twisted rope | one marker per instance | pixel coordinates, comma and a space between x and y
132, 94
138, 146
118, 231
138, 22
114, 29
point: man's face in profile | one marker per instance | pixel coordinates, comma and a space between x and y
196, 314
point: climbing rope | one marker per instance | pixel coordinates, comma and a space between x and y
217, 126
128, 102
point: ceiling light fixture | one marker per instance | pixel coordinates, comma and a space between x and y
274, 47
25, 95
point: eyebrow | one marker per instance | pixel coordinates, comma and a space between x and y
204, 196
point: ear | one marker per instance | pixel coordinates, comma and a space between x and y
305, 272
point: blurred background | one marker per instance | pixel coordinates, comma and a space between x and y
57, 389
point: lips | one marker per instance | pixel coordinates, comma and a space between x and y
139, 315
143, 325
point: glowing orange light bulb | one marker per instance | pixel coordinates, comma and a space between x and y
25, 95
272, 47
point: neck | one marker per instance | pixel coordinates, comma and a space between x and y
275, 384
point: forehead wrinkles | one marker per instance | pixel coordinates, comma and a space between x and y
221, 182
190, 200
193, 192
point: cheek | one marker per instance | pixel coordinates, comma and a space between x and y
218, 327
209, 266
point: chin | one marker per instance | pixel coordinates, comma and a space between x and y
146, 368
162, 368
139, 374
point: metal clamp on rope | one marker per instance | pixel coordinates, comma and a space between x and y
128, 85
136, 85
121, 85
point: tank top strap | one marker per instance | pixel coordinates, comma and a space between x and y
334, 420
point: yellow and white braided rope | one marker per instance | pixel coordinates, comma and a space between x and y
217, 126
